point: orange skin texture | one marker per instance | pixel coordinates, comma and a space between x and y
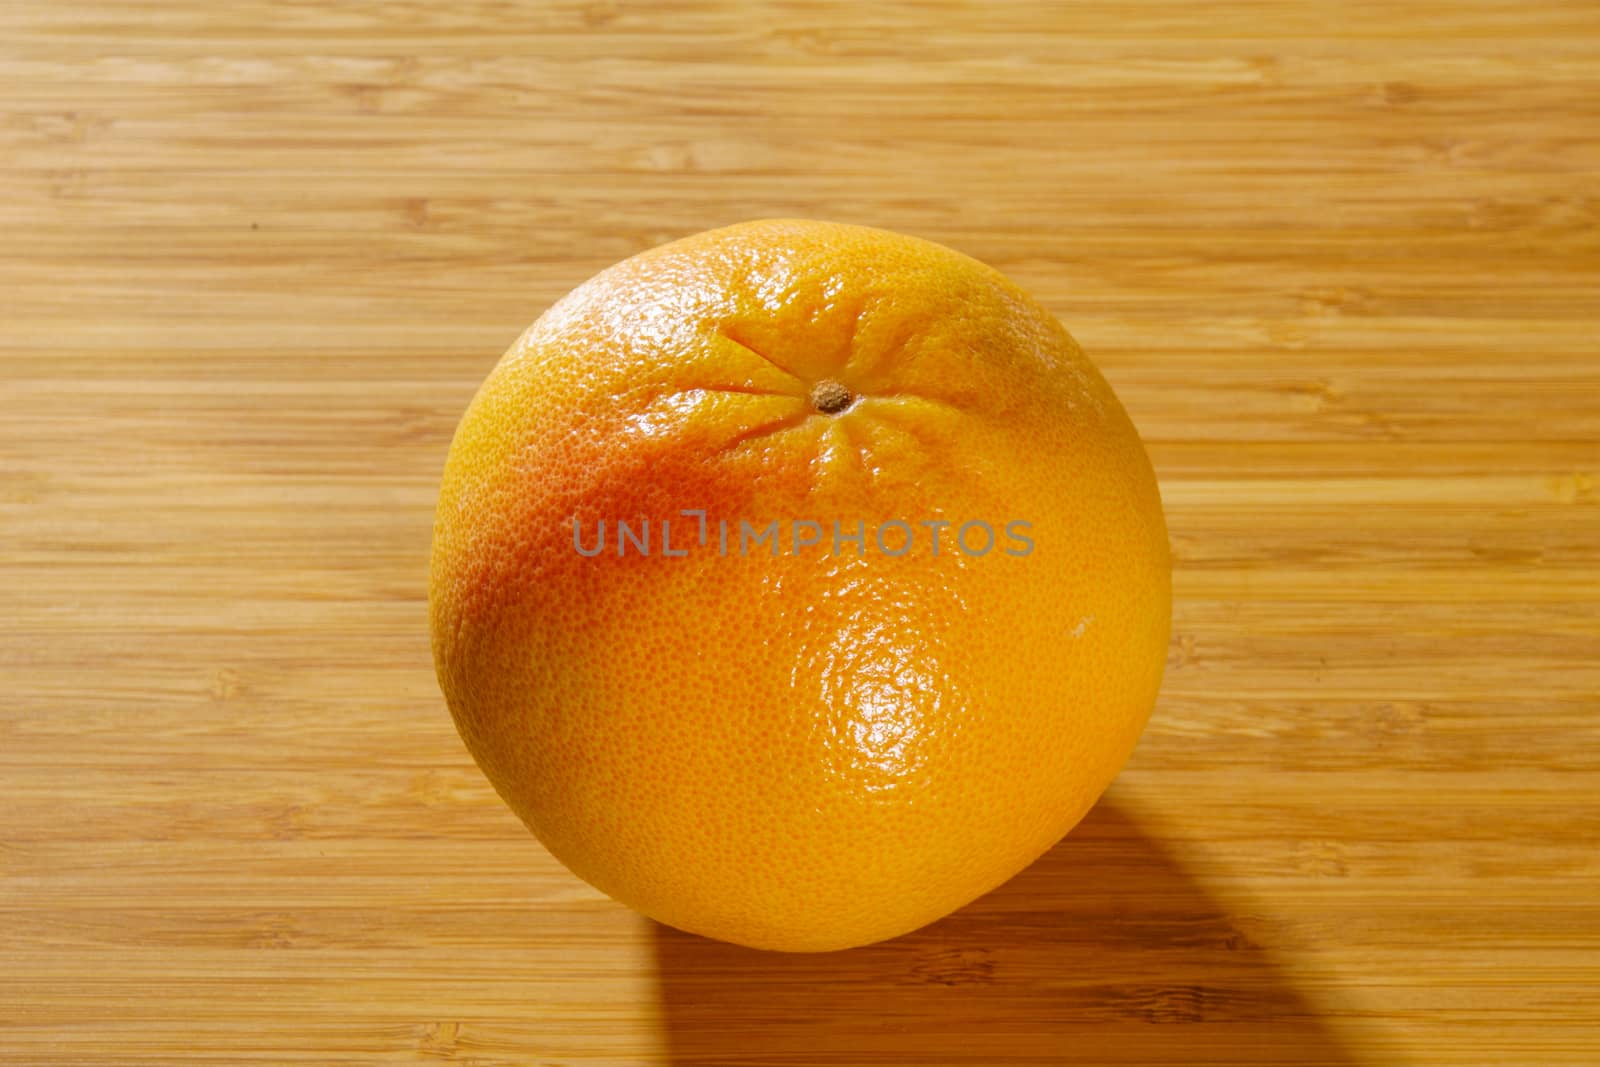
806, 751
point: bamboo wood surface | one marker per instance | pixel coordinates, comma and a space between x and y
1339, 260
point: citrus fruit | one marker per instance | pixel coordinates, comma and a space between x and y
797, 583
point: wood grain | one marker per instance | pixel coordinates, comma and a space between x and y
1341, 261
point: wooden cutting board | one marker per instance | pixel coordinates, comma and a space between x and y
1340, 261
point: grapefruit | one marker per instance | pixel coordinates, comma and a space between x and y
798, 583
